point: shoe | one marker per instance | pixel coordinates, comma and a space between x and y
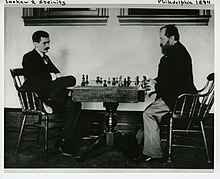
148, 158
65, 147
137, 159
66, 151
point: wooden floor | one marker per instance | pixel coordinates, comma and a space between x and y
31, 153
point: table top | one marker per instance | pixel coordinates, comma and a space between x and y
112, 93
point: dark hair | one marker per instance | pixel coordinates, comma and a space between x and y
36, 37
171, 30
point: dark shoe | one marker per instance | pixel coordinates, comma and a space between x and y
58, 143
65, 147
141, 158
150, 159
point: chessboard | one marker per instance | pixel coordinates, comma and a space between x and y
99, 90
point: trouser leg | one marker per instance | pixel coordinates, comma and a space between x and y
61, 103
57, 88
151, 131
72, 113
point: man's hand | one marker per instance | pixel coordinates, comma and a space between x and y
150, 87
58, 75
150, 83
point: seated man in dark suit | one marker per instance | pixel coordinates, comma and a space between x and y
175, 77
43, 77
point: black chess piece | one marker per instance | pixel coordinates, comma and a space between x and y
128, 81
125, 82
143, 83
105, 83
87, 80
113, 81
83, 80
97, 79
109, 81
137, 80
116, 80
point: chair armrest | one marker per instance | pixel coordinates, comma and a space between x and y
193, 95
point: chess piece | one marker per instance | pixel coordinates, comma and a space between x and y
143, 83
116, 80
120, 83
125, 82
137, 80
97, 79
87, 80
113, 81
83, 80
105, 83
101, 80
109, 81
128, 81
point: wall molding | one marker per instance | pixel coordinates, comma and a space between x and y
160, 17
65, 17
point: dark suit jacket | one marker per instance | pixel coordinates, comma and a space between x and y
37, 73
174, 75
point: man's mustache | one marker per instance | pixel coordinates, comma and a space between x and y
47, 48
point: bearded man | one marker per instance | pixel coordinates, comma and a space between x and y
174, 78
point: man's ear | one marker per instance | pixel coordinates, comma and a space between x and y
35, 44
172, 39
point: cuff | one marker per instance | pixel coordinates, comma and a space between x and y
53, 76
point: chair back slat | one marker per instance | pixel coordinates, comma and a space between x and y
21, 100
28, 99
18, 76
34, 102
193, 107
183, 106
209, 105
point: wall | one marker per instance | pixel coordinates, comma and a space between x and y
107, 51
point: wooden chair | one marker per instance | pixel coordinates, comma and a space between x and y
192, 108
31, 105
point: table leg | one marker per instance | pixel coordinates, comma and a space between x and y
110, 137
111, 122
107, 138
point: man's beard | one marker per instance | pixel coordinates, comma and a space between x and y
165, 48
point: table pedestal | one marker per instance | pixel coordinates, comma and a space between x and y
110, 136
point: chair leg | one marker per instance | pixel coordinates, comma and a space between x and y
169, 159
39, 128
205, 142
20, 133
46, 136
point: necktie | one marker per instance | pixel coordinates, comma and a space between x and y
45, 58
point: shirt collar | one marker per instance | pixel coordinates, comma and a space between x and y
40, 53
